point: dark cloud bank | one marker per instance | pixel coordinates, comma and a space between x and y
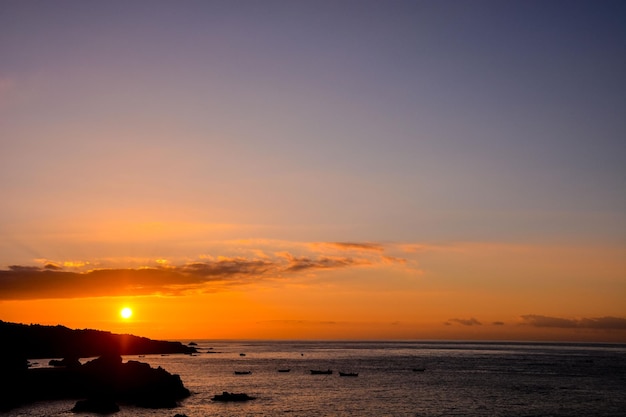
28, 282
534, 320
465, 322
599, 323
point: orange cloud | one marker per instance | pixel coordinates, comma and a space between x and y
52, 281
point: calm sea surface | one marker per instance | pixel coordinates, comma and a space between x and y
460, 379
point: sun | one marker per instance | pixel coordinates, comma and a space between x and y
126, 313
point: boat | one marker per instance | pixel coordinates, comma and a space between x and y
243, 372
316, 372
284, 370
419, 369
348, 374
227, 396
242, 354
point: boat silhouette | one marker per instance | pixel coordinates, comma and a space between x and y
317, 372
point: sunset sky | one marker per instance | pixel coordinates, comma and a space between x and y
315, 169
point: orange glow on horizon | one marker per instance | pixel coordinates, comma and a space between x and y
486, 292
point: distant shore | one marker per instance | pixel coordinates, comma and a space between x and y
36, 341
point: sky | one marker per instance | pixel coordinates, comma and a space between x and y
315, 169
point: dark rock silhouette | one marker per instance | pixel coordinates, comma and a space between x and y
97, 405
235, 397
102, 381
134, 382
70, 362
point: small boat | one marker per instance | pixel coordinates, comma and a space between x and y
227, 396
316, 372
348, 374
419, 369
243, 372
242, 354
284, 370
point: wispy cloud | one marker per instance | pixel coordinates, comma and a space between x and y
299, 322
349, 246
465, 322
601, 323
324, 262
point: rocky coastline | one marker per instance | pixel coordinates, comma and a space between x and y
98, 384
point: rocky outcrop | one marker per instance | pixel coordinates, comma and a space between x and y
102, 381
134, 382
71, 362
232, 397
96, 405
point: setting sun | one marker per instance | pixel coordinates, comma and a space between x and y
126, 313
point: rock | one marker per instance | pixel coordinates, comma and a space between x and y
96, 405
69, 362
102, 381
228, 397
135, 382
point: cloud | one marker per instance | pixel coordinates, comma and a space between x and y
37, 284
227, 267
497, 323
601, 323
21, 268
613, 323
303, 263
393, 260
349, 246
299, 322
465, 322
215, 274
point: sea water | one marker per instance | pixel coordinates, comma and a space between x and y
458, 379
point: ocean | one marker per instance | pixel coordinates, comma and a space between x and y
458, 379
